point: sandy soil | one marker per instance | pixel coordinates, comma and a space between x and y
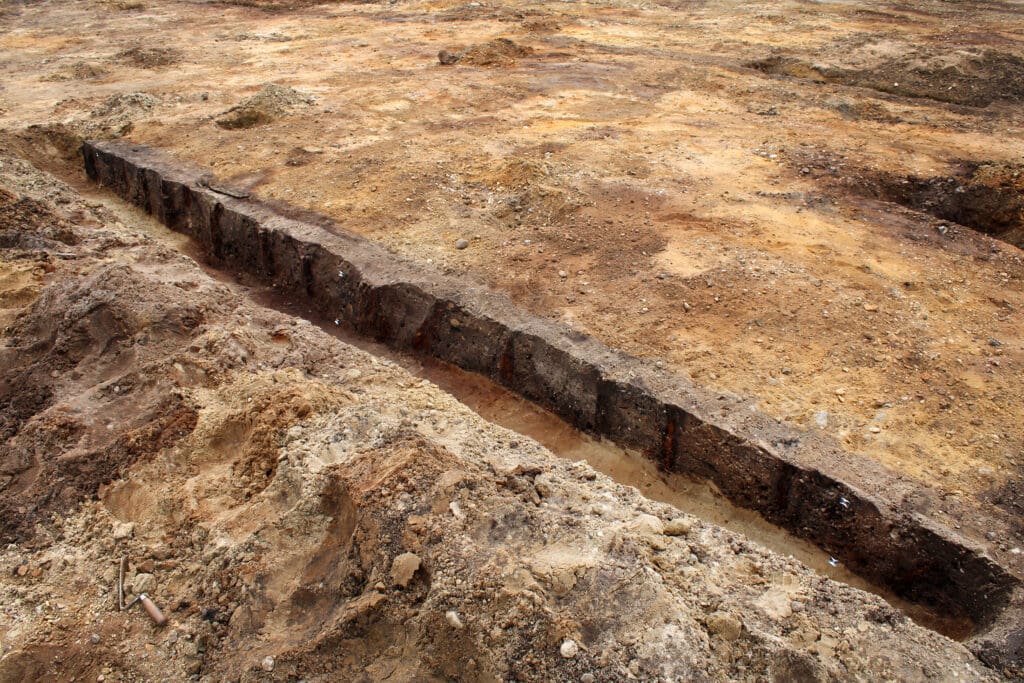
301, 510
818, 206
694, 183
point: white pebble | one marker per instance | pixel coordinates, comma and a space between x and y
452, 617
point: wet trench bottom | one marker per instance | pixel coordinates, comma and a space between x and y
755, 462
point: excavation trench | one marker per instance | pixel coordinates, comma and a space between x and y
626, 466
797, 480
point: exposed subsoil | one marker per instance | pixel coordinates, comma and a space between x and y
973, 76
815, 207
302, 510
633, 152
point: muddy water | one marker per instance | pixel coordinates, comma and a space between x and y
502, 407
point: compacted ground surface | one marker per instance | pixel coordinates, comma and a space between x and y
814, 205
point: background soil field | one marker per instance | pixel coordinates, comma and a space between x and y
817, 206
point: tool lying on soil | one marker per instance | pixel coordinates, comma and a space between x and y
151, 609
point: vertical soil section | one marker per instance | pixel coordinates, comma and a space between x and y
795, 479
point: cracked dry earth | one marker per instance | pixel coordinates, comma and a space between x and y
303, 510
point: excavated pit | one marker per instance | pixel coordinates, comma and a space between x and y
987, 197
974, 78
756, 462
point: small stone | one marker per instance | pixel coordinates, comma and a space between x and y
461, 243
678, 527
562, 274
452, 617
267, 664
569, 649
805, 170
123, 530
994, 342
587, 678
94, 639
143, 583
404, 568
648, 525
448, 58
725, 625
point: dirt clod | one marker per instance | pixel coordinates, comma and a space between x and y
448, 58
269, 104
150, 57
404, 568
500, 52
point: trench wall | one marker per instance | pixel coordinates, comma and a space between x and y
795, 479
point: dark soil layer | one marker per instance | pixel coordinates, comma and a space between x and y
978, 81
986, 197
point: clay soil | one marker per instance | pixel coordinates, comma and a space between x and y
816, 206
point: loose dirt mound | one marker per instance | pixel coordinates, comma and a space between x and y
116, 116
497, 52
150, 57
269, 104
302, 510
79, 71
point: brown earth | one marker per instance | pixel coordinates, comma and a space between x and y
702, 212
301, 510
763, 197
